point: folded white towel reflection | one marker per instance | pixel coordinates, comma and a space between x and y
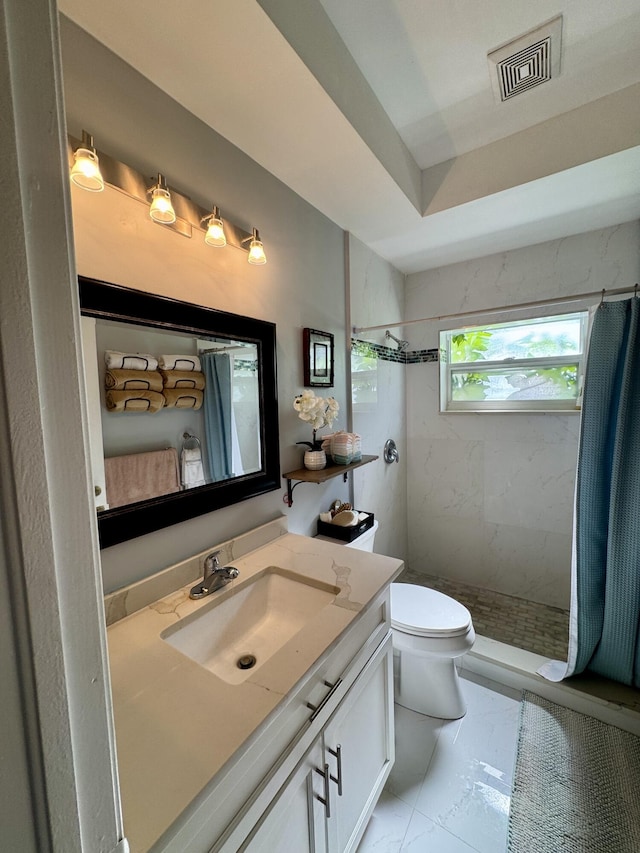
179, 362
130, 360
191, 468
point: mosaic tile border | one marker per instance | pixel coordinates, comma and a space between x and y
383, 353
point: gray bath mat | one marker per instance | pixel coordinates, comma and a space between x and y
577, 784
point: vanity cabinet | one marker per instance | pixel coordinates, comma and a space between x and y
293, 757
325, 804
296, 820
363, 729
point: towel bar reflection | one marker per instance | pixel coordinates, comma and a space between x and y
190, 441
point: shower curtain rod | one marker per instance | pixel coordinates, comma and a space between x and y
559, 300
222, 349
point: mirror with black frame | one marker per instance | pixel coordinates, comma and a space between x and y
182, 404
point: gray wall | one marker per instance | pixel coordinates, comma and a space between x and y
490, 496
301, 285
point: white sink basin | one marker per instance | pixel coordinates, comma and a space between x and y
251, 619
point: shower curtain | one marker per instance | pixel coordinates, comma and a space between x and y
218, 414
605, 606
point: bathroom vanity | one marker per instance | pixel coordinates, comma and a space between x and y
288, 754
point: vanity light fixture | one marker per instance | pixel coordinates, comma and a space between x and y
85, 171
161, 210
173, 209
215, 235
256, 249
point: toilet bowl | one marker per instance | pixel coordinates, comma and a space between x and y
430, 632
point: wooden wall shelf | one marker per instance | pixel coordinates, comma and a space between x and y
303, 475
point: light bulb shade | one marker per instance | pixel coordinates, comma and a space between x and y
215, 235
256, 253
257, 256
161, 210
85, 171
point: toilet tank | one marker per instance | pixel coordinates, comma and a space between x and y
364, 542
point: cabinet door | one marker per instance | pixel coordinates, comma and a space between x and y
296, 819
361, 733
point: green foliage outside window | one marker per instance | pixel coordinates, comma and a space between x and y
538, 340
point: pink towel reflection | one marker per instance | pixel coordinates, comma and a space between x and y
140, 476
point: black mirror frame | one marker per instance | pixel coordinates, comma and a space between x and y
107, 301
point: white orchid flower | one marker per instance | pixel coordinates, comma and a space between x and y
315, 410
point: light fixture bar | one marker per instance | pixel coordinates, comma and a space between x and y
189, 214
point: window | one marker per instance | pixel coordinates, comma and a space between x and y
530, 365
364, 378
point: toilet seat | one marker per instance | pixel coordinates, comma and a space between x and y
425, 612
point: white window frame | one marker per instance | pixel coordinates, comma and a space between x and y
449, 406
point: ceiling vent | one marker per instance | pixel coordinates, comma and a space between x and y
527, 61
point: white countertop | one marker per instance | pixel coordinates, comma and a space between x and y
178, 724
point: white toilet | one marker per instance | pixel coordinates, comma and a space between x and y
430, 632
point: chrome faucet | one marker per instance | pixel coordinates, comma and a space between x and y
215, 576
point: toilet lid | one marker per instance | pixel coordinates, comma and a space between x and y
426, 612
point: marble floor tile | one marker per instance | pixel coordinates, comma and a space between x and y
450, 788
387, 827
467, 787
416, 738
425, 836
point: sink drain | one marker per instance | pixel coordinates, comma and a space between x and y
246, 662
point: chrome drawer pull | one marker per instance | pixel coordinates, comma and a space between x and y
317, 708
337, 752
326, 801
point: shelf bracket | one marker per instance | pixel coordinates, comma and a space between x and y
288, 498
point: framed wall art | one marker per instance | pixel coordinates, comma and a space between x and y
318, 358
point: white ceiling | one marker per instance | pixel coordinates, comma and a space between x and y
301, 107
427, 63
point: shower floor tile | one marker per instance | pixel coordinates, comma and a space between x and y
515, 621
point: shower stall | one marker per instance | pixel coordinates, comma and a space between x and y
489, 496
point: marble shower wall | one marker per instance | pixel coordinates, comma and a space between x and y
490, 496
377, 296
